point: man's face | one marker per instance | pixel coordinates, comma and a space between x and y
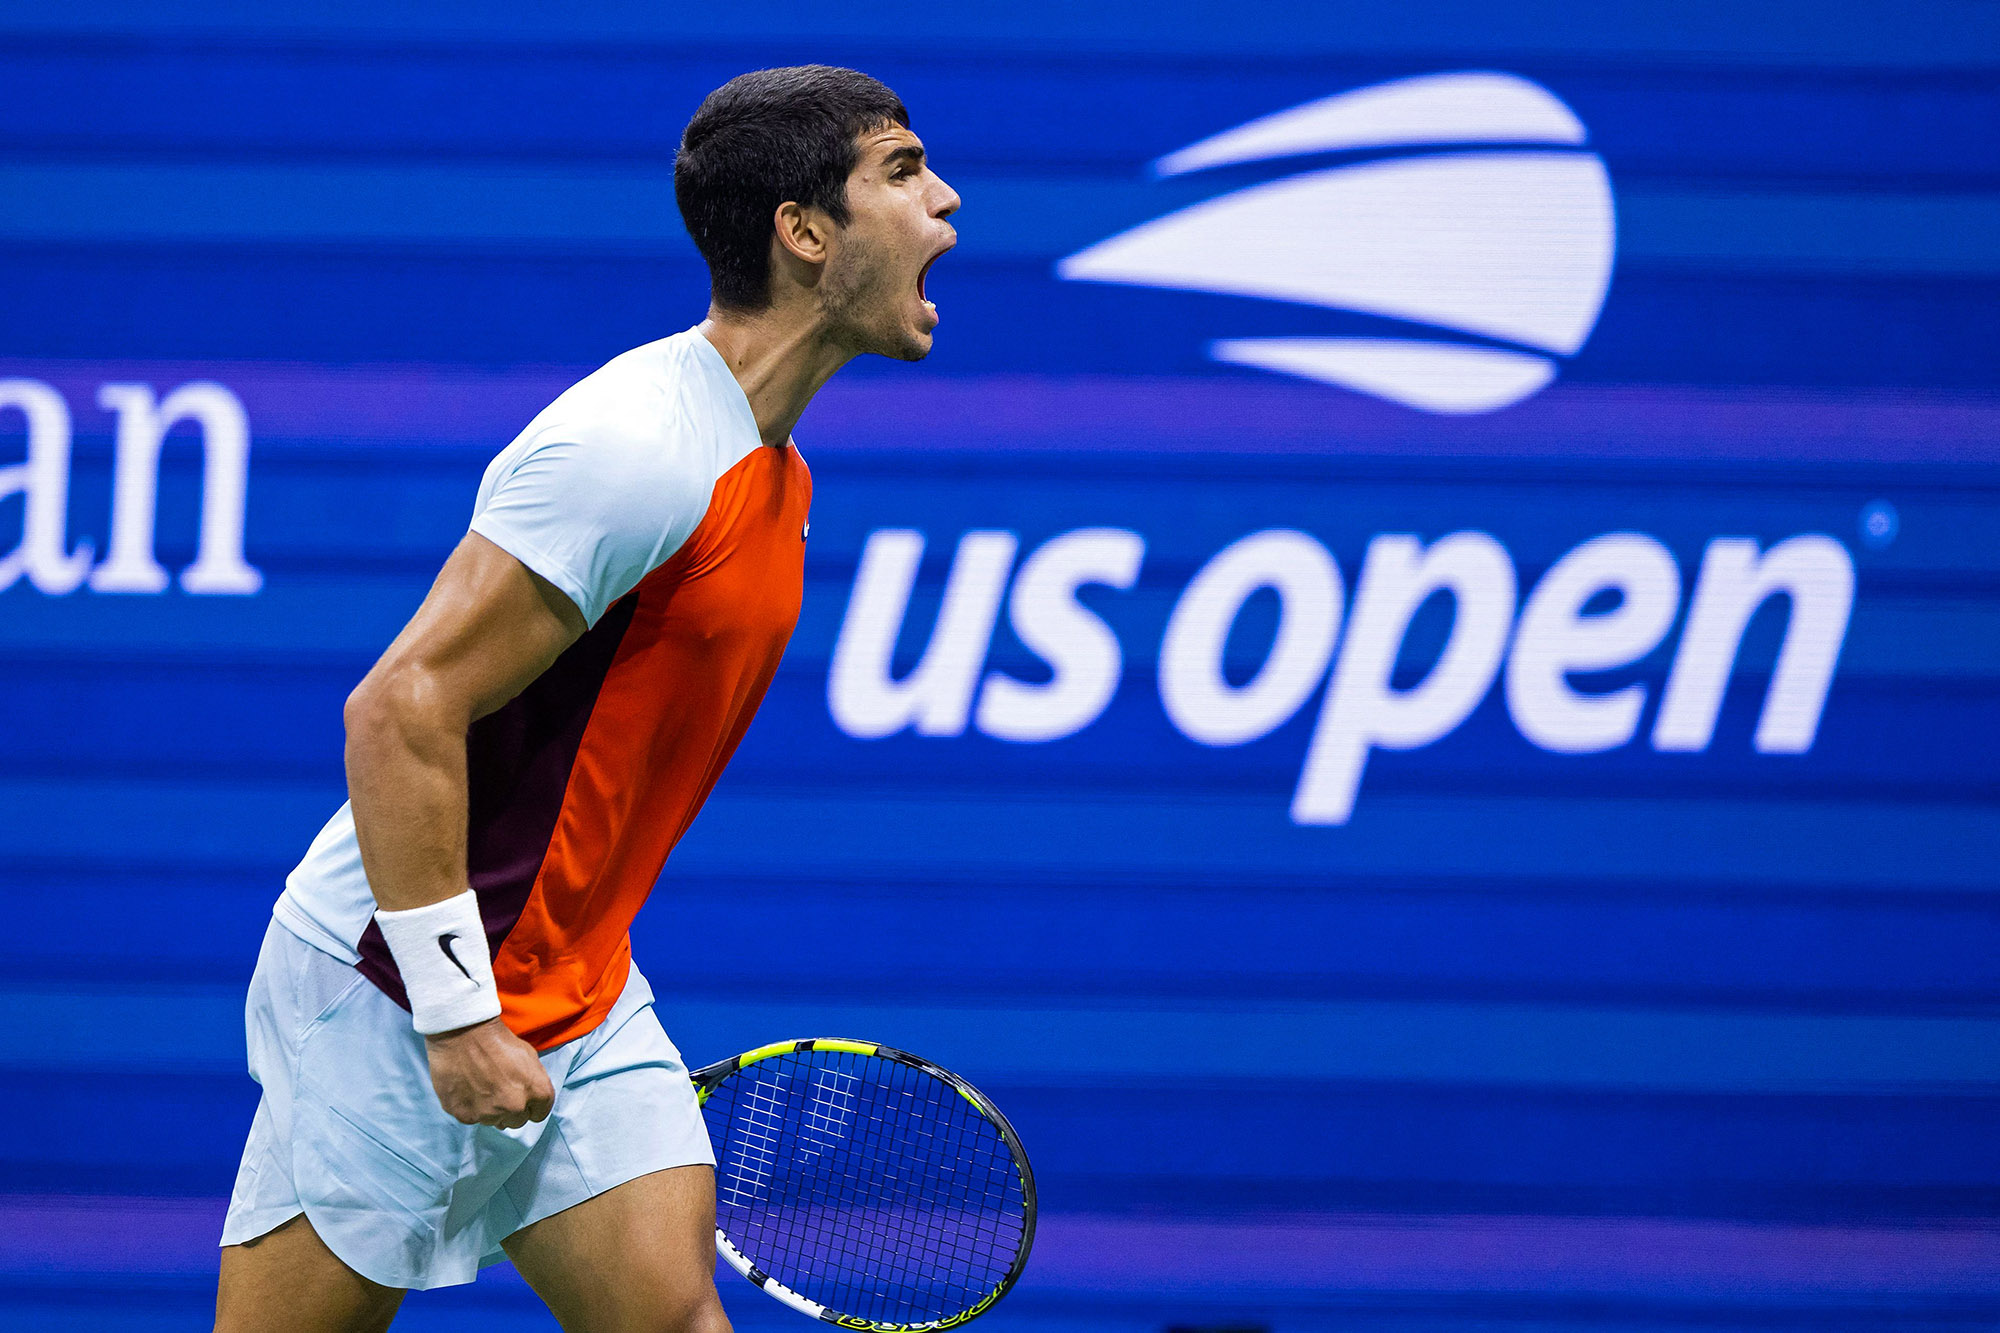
872, 289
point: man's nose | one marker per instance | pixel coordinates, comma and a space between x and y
948, 204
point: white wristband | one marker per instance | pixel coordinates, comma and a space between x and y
440, 949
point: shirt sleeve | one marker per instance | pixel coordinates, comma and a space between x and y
592, 514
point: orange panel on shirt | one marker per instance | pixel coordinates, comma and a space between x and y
705, 634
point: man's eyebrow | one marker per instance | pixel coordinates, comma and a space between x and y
913, 152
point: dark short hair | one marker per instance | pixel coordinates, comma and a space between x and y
760, 140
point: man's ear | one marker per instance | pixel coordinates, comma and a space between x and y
801, 231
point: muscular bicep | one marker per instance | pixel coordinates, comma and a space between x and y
488, 627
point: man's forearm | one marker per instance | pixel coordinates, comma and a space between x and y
406, 781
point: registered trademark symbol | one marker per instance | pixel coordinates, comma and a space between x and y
1879, 523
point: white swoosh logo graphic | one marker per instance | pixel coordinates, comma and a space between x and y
1510, 244
1433, 108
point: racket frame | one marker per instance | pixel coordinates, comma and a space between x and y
710, 1077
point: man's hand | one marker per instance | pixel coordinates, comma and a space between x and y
485, 1075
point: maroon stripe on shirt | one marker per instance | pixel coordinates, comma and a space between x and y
518, 760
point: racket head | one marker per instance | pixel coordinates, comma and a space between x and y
865, 1186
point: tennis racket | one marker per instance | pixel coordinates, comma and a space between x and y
864, 1186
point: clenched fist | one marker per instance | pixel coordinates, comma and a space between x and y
485, 1075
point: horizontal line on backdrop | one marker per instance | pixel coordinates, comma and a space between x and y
1567, 1256
598, 208
623, 209
400, 407
167, 761
1947, 575
187, 1029
1948, 579
69, 963
145, 793
1920, 34
1822, 847
1815, 846
1268, 1258
1645, 169
318, 618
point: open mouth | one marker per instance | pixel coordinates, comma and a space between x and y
924, 273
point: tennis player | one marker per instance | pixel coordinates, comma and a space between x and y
458, 1058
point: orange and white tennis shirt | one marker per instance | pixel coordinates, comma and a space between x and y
645, 494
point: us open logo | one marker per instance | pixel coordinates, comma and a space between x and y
1496, 257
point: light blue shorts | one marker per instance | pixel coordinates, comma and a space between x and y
350, 1133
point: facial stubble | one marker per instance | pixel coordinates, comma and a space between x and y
859, 292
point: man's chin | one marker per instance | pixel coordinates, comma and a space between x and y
899, 341
912, 346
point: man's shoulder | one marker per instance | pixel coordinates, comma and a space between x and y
655, 397
631, 447
631, 394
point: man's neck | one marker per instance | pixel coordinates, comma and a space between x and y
780, 357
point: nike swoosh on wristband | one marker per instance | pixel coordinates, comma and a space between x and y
444, 943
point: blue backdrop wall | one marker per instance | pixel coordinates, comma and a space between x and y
1414, 690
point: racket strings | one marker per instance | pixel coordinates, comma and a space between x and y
899, 1226
865, 1184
